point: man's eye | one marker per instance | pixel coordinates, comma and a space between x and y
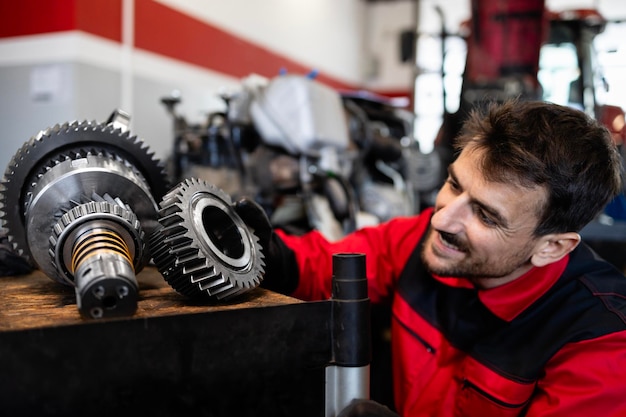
452, 183
485, 218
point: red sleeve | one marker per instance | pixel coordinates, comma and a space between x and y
386, 248
586, 378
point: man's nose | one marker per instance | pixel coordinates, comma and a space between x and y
451, 215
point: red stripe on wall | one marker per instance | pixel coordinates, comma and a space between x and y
31, 17
158, 29
100, 17
165, 31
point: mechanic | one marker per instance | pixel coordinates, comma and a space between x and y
498, 308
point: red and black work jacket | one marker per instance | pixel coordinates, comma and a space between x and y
550, 343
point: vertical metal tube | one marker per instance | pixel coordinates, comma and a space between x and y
347, 377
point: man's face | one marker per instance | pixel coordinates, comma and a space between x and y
482, 230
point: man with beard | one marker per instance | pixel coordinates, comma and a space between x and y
498, 308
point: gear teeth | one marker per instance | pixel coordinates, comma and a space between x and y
119, 213
187, 260
57, 143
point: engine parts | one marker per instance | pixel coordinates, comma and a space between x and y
300, 115
77, 200
203, 248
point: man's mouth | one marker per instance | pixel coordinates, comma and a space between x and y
452, 241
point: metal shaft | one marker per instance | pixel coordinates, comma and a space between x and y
347, 377
103, 271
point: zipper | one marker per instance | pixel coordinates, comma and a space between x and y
469, 385
429, 348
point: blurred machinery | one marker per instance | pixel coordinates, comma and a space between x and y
313, 157
519, 49
212, 148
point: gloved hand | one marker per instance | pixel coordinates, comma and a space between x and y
366, 408
281, 267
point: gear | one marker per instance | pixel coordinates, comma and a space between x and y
76, 200
102, 215
98, 246
59, 144
203, 248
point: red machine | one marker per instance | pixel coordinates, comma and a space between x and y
515, 48
503, 48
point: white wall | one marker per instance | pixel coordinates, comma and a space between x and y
385, 23
324, 34
50, 79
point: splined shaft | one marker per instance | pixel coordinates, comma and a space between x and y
104, 275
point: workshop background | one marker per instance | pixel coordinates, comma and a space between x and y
66, 60
63, 60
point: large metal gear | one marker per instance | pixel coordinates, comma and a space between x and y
70, 141
76, 184
203, 248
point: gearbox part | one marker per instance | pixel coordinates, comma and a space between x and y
97, 246
75, 144
203, 248
76, 200
106, 286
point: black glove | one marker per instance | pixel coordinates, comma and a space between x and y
281, 267
366, 408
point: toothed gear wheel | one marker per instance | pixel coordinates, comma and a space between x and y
105, 214
204, 249
63, 148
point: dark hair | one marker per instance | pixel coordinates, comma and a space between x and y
542, 144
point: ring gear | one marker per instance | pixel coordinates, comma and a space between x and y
204, 249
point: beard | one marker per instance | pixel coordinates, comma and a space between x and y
473, 265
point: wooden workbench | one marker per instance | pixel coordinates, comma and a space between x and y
262, 354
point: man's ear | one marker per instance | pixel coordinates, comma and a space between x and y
554, 247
